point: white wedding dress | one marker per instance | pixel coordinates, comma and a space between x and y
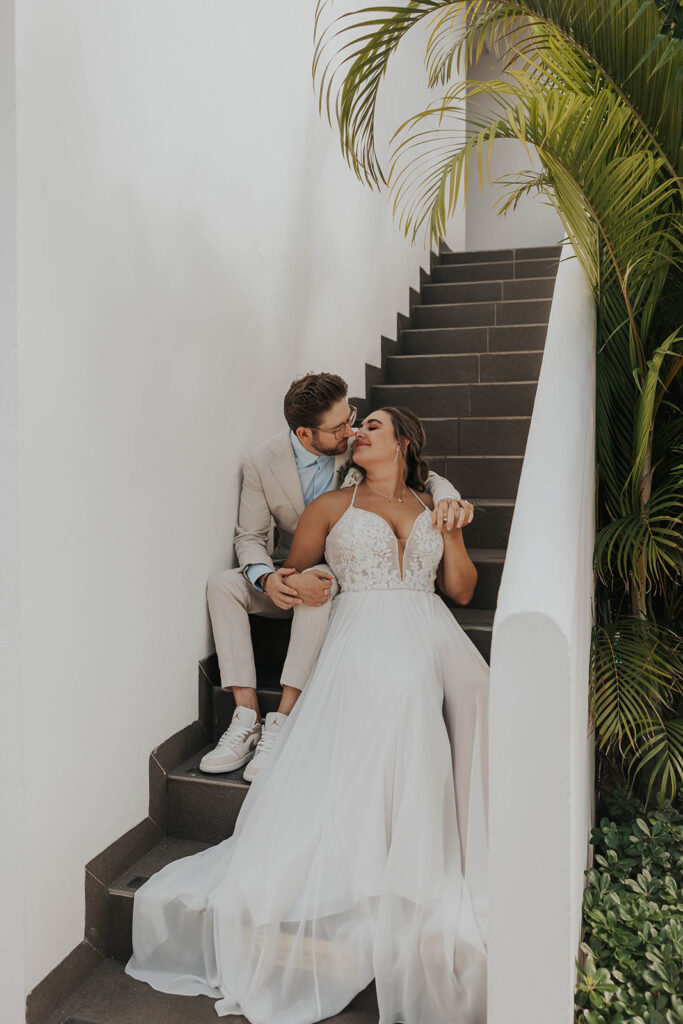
361, 849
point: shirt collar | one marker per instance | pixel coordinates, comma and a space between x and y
303, 457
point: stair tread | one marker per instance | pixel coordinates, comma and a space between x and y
165, 852
460, 355
441, 419
189, 771
494, 502
466, 327
457, 384
487, 555
475, 618
474, 302
485, 280
110, 996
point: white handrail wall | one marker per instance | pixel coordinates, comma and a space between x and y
541, 806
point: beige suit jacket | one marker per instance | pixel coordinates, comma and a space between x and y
271, 496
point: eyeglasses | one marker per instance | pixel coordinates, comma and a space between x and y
339, 431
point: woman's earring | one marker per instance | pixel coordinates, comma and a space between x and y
397, 451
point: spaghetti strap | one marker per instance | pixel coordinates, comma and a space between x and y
418, 498
353, 496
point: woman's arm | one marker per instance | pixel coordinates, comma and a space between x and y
457, 576
308, 546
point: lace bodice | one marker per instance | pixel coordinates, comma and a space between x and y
363, 552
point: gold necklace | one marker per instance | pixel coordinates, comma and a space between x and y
389, 497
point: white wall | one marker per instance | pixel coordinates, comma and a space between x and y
11, 785
189, 239
541, 805
534, 221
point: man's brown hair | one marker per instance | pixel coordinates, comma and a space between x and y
309, 397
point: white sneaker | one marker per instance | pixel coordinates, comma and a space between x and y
237, 744
274, 722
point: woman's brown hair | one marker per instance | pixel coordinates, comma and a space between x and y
408, 427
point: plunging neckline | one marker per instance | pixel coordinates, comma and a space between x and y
401, 562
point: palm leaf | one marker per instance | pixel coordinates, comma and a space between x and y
635, 673
660, 759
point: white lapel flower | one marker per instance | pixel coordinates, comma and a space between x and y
349, 475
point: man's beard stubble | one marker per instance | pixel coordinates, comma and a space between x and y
338, 449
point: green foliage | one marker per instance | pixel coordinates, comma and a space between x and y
595, 87
631, 965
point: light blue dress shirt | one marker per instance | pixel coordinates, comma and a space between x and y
316, 475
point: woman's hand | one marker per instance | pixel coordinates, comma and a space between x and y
313, 587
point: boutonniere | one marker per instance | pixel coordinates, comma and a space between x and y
349, 475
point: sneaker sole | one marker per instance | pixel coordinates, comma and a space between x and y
247, 777
232, 768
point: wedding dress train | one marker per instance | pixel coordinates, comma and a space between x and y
360, 851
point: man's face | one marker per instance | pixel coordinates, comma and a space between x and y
331, 437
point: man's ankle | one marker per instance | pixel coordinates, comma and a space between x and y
290, 695
245, 697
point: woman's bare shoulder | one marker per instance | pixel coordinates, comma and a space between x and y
425, 497
331, 504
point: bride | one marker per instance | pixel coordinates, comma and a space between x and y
364, 854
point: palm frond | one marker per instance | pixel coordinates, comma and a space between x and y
646, 540
654, 387
660, 760
636, 673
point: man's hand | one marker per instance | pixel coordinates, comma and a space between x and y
452, 513
278, 591
313, 587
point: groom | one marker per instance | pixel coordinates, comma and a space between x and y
281, 477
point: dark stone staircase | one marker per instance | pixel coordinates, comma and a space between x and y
467, 360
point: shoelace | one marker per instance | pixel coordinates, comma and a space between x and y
233, 735
266, 741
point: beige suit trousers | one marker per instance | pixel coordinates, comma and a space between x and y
232, 599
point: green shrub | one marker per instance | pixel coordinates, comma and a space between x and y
631, 967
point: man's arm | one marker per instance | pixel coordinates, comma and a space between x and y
255, 572
450, 510
254, 522
440, 488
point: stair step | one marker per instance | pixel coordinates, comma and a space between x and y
200, 806
500, 255
486, 367
545, 267
488, 291
504, 270
478, 624
468, 340
451, 272
484, 435
490, 527
462, 291
477, 256
482, 314
517, 337
489, 563
454, 340
110, 996
490, 476
462, 400
121, 892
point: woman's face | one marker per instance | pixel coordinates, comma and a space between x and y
375, 442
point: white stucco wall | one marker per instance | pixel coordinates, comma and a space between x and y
541, 808
189, 239
534, 221
11, 784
